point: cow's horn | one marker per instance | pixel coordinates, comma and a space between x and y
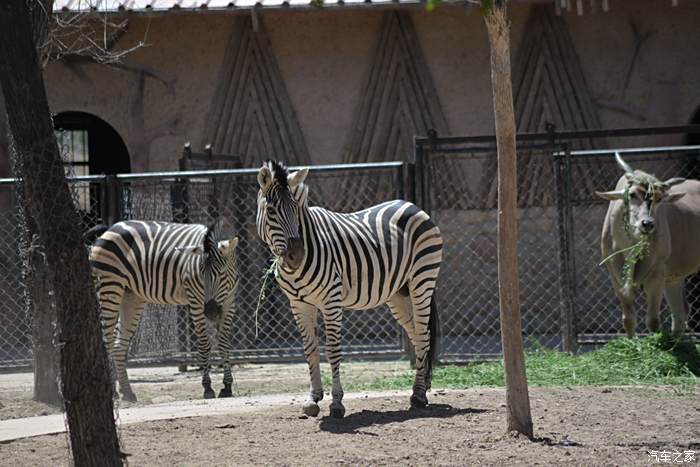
671, 181
623, 165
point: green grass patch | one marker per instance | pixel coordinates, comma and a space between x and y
656, 359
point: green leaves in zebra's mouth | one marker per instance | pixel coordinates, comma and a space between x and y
272, 269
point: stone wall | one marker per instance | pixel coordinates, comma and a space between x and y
324, 57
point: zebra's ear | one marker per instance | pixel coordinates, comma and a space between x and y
194, 250
227, 247
297, 177
264, 178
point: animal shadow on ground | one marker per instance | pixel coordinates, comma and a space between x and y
353, 422
684, 351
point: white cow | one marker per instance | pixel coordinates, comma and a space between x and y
665, 218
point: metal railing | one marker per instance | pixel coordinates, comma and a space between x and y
595, 307
164, 333
566, 298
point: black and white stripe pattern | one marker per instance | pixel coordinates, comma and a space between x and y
139, 262
389, 253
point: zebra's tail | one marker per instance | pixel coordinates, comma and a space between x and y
93, 233
434, 327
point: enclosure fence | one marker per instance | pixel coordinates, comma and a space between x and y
165, 333
566, 297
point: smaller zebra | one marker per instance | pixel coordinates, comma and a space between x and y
139, 262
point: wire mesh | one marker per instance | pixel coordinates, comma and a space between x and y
598, 313
458, 188
15, 323
231, 199
462, 197
460, 192
165, 332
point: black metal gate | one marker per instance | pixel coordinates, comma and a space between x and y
201, 196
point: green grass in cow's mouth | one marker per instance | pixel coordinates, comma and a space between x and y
658, 359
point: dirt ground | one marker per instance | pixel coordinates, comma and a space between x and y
155, 385
573, 426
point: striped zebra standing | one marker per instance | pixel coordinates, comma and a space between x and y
139, 262
389, 253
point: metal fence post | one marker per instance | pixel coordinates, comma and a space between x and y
415, 175
421, 188
114, 199
180, 205
418, 174
570, 322
409, 179
104, 200
405, 190
563, 192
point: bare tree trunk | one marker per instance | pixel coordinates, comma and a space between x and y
517, 398
44, 335
87, 390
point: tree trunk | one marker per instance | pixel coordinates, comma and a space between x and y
43, 313
87, 390
517, 398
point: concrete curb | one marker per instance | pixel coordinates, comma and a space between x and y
51, 424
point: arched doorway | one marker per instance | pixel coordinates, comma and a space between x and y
90, 146
93, 146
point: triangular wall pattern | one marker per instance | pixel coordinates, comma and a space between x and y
548, 87
549, 84
251, 115
399, 99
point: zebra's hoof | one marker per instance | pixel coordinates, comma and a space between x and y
209, 393
337, 410
419, 402
311, 409
225, 392
129, 396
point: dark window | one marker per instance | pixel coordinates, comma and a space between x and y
88, 141
74, 149
89, 146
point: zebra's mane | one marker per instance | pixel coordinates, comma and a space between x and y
211, 238
279, 172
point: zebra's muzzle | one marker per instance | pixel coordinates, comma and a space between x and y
212, 310
294, 256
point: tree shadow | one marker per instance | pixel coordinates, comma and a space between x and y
353, 422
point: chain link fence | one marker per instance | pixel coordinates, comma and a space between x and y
15, 324
460, 193
165, 333
566, 297
597, 311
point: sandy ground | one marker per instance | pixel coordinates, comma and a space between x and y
157, 385
573, 426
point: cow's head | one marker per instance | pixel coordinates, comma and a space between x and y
281, 198
641, 196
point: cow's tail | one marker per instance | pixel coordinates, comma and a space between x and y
434, 327
93, 233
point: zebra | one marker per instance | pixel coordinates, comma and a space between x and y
389, 253
138, 262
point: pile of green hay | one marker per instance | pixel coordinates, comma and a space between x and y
656, 359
